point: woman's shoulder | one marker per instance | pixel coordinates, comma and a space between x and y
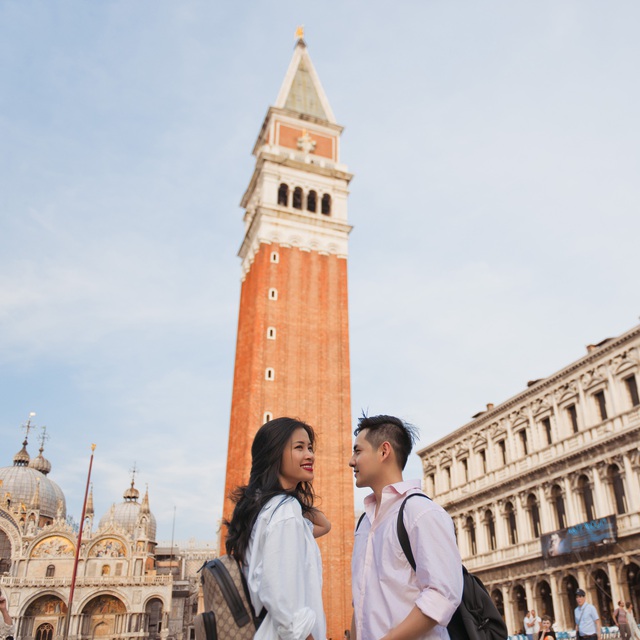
280, 507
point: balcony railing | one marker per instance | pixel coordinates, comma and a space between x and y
86, 581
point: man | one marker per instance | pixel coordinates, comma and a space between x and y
532, 625
587, 618
620, 618
391, 601
6, 623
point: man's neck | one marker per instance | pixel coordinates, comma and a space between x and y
389, 479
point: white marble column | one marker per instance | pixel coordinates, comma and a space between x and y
558, 609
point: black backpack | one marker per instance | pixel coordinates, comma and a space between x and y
477, 617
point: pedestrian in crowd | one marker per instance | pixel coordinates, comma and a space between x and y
587, 618
546, 629
390, 599
531, 625
620, 618
631, 621
272, 531
6, 623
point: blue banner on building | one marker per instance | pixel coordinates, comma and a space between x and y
579, 537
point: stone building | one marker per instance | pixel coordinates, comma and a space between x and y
123, 588
544, 488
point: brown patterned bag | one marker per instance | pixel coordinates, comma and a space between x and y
229, 614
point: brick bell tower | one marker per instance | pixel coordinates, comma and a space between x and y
292, 351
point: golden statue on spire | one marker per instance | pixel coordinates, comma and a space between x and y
300, 32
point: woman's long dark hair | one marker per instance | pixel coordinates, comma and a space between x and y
264, 483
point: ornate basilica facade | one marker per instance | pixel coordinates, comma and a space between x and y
544, 489
126, 587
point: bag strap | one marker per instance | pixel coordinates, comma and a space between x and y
360, 519
403, 536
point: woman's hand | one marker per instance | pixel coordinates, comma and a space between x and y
321, 524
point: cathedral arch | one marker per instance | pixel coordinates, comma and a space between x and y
109, 546
103, 615
52, 546
283, 194
6, 551
312, 201
44, 631
326, 204
297, 198
154, 609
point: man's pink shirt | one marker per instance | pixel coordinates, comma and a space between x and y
385, 588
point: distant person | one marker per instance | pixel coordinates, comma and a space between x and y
546, 629
631, 621
6, 623
390, 599
587, 618
620, 618
272, 531
531, 625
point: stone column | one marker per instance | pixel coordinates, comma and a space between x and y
523, 518
605, 489
558, 608
631, 484
547, 518
531, 601
481, 534
509, 618
616, 587
569, 503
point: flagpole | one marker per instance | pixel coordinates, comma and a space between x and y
67, 621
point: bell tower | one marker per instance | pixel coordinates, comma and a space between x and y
292, 350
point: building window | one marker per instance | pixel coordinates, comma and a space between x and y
312, 201
471, 535
502, 448
483, 460
546, 425
431, 484
632, 390
283, 195
511, 523
534, 515
106, 570
558, 504
275, 257
268, 416
51, 571
44, 632
586, 496
601, 404
273, 294
522, 435
326, 204
617, 488
573, 417
297, 198
269, 374
118, 568
490, 524
271, 333
446, 474
464, 463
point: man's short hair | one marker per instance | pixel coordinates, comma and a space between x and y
399, 434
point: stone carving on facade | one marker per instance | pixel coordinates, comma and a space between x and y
567, 390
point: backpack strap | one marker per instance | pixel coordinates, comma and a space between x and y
360, 519
403, 536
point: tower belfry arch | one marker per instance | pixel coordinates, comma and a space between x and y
292, 350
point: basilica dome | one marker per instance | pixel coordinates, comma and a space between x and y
27, 484
133, 516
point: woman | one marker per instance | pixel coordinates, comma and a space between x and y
546, 630
272, 530
633, 625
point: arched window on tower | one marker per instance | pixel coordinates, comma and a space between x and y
586, 497
534, 515
471, 535
283, 195
297, 198
511, 523
106, 569
326, 204
312, 201
617, 488
51, 571
558, 504
490, 524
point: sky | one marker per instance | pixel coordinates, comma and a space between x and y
495, 205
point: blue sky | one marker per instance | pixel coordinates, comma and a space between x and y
495, 205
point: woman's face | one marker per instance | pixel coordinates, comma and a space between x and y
297, 460
546, 625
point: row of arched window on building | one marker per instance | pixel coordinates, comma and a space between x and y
586, 503
309, 201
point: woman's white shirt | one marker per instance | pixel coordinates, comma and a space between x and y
284, 573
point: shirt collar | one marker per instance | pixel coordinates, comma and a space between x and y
397, 488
